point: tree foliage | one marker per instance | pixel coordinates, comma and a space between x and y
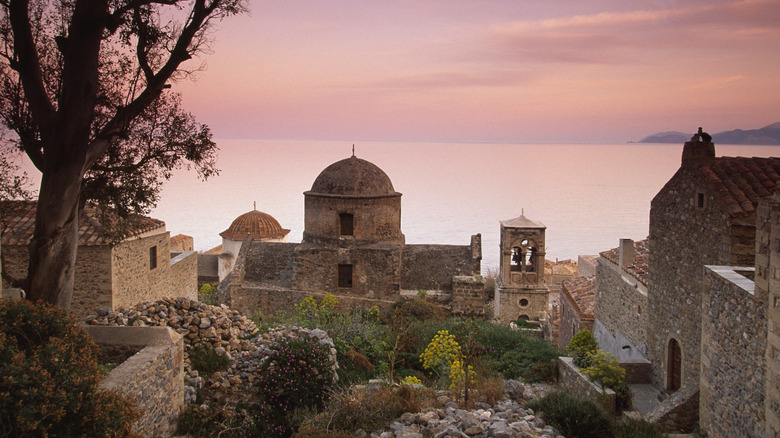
85, 86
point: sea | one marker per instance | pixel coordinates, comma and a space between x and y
587, 195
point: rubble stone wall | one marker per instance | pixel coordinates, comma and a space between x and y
621, 307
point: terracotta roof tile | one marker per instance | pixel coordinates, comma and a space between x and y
740, 182
638, 269
19, 222
582, 292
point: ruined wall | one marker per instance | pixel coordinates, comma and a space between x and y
468, 295
683, 238
733, 331
767, 283
270, 263
621, 307
431, 267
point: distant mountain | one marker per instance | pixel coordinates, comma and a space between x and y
766, 135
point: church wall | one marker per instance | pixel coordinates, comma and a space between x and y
270, 263
767, 283
431, 267
516, 302
683, 238
733, 331
248, 299
375, 219
375, 270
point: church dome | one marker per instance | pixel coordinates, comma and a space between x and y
353, 177
257, 224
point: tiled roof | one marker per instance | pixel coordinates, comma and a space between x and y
638, 269
741, 182
19, 222
255, 223
582, 292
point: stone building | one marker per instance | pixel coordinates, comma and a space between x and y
521, 291
109, 274
621, 307
353, 248
740, 365
576, 308
704, 215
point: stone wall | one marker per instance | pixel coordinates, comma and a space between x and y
733, 331
683, 238
92, 282
184, 275
571, 380
767, 283
679, 412
134, 279
153, 377
208, 269
621, 307
431, 267
512, 303
570, 322
468, 295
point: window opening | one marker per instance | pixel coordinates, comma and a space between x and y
153, 257
674, 366
517, 259
700, 200
347, 224
523, 302
345, 275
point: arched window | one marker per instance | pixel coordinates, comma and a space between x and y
517, 259
346, 224
673, 365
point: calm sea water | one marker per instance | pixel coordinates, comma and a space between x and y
588, 196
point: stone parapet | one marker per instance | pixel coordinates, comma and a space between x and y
571, 380
468, 295
153, 377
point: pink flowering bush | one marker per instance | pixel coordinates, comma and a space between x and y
298, 375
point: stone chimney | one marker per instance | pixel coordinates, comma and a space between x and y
699, 148
626, 253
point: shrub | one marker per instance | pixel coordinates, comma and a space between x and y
542, 372
422, 310
637, 429
605, 370
580, 345
443, 357
207, 361
574, 417
297, 375
49, 376
208, 294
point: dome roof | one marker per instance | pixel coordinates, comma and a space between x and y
255, 223
353, 177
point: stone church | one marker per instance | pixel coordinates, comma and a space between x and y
353, 248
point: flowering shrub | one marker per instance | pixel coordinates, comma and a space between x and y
443, 357
49, 376
297, 375
605, 370
208, 294
580, 345
411, 380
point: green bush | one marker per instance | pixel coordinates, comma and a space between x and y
574, 417
580, 345
49, 376
637, 429
542, 372
207, 361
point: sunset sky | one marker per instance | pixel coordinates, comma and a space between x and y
498, 70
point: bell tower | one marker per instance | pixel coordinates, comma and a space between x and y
520, 288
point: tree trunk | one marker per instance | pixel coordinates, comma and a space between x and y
55, 239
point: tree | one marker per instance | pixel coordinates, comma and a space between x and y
85, 86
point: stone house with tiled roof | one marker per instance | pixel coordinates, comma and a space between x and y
109, 273
621, 307
704, 215
577, 299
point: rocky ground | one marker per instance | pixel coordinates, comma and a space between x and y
505, 419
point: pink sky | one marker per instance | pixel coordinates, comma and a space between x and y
499, 70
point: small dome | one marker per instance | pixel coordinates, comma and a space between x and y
255, 223
353, 177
